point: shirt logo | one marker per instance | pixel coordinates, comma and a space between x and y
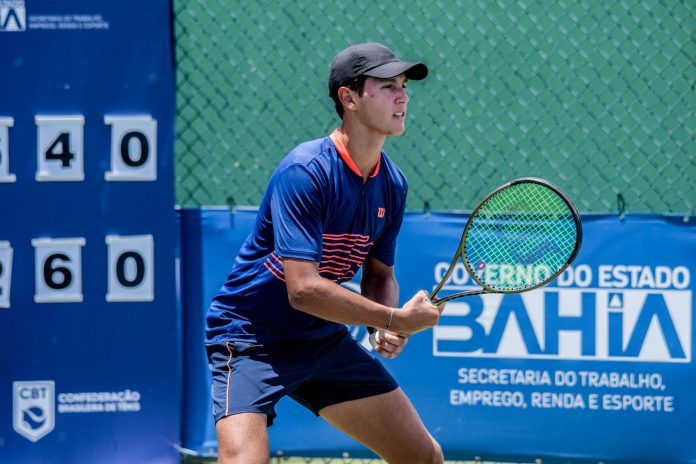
380, 212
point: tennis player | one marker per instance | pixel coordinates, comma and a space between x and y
278, 325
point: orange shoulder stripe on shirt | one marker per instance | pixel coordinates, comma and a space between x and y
342, 150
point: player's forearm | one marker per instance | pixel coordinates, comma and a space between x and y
327, 300
381, 290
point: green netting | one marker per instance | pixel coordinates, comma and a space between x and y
596, 96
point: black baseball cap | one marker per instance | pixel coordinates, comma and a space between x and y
370, 59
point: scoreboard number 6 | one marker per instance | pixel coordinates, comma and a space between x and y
58, 270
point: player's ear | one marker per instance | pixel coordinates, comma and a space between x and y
347, 98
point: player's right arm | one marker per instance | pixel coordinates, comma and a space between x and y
309, 292
298, 204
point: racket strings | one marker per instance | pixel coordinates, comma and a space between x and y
520, 237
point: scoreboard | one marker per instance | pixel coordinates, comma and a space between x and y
89, 316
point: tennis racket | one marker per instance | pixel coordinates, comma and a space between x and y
520, 237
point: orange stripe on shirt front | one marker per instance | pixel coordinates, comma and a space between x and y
349, 251
348, 237
342, 259
349, 245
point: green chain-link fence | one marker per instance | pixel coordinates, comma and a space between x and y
594, 95
597, 96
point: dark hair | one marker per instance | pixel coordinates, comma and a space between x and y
356, 85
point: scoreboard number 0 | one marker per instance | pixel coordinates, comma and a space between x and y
131, 268
133, 148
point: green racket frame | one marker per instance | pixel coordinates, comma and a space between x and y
461, 249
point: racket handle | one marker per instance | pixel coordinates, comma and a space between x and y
373, 339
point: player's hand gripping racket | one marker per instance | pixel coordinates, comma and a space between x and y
520, 237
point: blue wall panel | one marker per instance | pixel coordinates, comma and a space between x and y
596, 366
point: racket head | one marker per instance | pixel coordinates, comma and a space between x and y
521, 236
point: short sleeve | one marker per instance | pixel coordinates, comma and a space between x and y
297, 205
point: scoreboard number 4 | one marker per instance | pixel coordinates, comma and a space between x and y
60, 148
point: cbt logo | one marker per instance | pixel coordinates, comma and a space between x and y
13, 16
33, 408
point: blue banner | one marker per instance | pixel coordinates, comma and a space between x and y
597, 366
89, 316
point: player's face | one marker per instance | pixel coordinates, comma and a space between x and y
383, 105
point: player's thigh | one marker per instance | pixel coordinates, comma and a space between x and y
243, 438
389, 425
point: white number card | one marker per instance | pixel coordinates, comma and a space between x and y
5, 175
58, 269
131, 268
5, 273
133, 148
60, 152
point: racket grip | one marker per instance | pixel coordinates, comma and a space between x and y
373, 339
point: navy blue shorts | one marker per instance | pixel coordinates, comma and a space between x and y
251, 377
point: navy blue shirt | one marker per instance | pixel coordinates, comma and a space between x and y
317, 207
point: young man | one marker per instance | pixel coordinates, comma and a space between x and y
277, 326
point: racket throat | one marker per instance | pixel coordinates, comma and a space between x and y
447, 275
453, 296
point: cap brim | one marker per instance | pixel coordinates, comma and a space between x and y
413, 71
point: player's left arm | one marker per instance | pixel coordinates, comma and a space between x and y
378, 283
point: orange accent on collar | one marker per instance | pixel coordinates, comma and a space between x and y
342, 150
